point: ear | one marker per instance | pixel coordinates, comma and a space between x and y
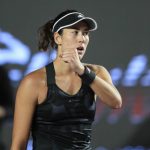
57, 38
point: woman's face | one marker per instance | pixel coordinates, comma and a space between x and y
75, 37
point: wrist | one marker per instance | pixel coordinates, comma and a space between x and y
81, 70
88, 76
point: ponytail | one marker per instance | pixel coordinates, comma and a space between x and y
45, 36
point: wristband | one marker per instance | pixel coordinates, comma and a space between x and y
88, 76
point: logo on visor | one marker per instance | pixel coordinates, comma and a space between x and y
80, 16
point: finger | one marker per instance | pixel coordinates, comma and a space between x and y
72, 52
64, 49
66, 60
65, 46
60, 55
75, 52
68, 55
68, 52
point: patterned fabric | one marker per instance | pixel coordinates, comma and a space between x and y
63, 121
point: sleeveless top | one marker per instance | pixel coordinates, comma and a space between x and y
63, 121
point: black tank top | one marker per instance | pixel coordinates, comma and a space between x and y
63, 121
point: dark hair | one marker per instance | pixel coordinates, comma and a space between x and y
45, 34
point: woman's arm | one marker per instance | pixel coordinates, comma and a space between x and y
102, 84
104, 88
26, 100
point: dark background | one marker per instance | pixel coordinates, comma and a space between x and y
123, 32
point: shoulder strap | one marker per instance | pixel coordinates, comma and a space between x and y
50, 73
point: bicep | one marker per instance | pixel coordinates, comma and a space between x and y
104, 74
25, 103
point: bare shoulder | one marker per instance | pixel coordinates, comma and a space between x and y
35, 78
31, 84
25, 105
100, 71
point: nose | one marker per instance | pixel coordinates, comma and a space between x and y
81, 37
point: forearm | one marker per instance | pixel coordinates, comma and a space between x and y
104, 89
19, 140
20, 146
106, 92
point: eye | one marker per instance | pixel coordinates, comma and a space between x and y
75, 32
86, 33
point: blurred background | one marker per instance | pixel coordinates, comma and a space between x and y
121, 44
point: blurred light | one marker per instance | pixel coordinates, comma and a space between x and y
15, 51
135, 68
38, 60
29, 145
145, 81
15, 75
53, 54
127, 148
116, 74
112, 119
136, 119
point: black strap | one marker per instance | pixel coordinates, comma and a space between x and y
88, 76
50, 73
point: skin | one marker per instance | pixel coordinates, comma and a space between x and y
33, 89
2, 112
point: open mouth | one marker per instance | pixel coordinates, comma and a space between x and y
80, 50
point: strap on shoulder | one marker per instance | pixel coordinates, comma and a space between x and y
50, 73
